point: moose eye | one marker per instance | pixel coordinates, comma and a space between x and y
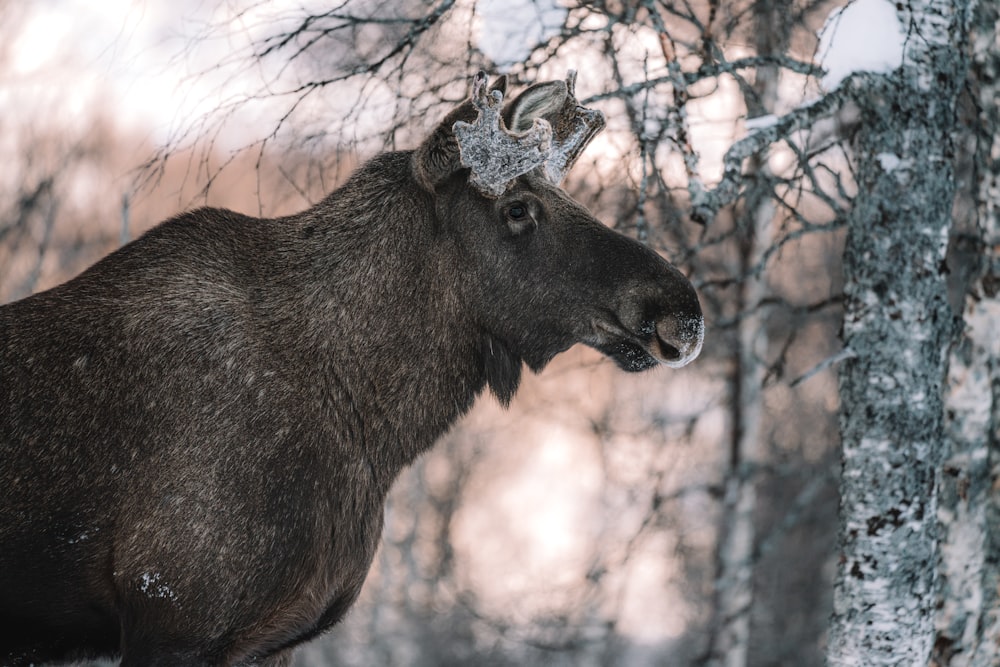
517, 211
519, 218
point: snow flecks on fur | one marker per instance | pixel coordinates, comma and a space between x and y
150, 583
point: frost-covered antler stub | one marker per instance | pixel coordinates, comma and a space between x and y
495, 155
573, 126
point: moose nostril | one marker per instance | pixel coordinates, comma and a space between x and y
680, 338
670, 353
655, 330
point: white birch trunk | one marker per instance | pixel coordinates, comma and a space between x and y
734, 593
968, 622
897, 325
734, 582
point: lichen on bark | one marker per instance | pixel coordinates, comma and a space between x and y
968, 616
898, 326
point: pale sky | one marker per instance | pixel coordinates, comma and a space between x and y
142, 55
115, 49
508, 28
156, 63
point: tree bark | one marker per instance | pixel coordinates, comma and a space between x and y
734, 594
968, 621
734, 581
897, 324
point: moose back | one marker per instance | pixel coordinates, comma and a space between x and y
198, 433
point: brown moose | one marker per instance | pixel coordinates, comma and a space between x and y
197, 434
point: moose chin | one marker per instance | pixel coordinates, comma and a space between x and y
198, 433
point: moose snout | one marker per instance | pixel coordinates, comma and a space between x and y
671, 327
642, 333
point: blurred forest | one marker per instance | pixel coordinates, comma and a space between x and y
675, 518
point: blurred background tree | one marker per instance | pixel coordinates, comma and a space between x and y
679, 518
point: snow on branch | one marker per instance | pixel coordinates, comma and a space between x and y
765, 132
705, 203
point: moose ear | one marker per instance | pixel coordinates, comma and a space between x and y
438, 157
541, 99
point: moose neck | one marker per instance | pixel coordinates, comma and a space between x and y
388, 332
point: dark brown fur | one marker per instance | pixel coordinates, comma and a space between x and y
197, 434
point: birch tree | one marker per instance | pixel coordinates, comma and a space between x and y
968, 621
897, 327
737, 532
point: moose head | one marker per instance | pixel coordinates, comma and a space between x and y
545, 273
